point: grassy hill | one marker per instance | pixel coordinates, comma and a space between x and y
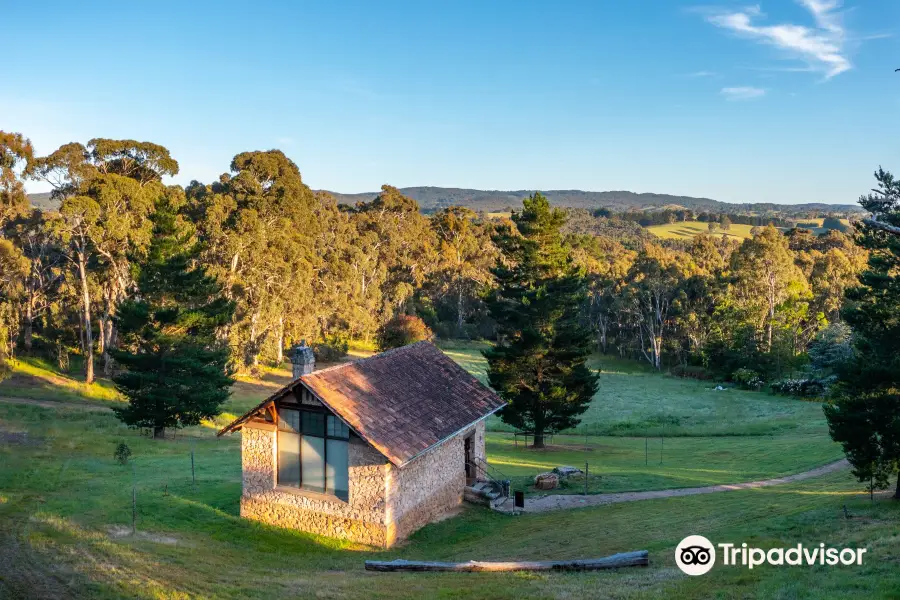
66, 505
689, 229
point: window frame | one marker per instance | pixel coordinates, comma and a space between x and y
320, 410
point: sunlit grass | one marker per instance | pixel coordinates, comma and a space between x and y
37, 379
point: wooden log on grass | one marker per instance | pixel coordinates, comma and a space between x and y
624, 559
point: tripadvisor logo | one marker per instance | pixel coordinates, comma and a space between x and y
696, 555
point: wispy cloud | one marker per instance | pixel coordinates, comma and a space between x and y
701, 74
821, 45
742, 93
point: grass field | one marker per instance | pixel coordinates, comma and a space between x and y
689, 229
65, 507
701, 436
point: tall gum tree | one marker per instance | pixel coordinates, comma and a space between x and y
107, 192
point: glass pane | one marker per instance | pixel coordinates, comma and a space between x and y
314, 423
336, 469
312, 458
288, 459
289, 420
337, 428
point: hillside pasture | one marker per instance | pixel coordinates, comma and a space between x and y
65, 504
689, 229
65, 531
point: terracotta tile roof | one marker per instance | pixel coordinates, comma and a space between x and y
403, 401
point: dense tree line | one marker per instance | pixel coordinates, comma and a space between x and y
297, 265
293, 263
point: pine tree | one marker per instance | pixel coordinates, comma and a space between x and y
175, 371
865, 418
538, 366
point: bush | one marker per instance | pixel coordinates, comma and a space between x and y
332, 349
802, 388
691, 372
402, 330
122, 454
747, 379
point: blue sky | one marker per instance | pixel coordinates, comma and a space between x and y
787, 101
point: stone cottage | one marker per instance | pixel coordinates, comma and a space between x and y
368, 451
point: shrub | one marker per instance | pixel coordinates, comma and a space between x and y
402, 330
122, 454
691, 372
803, 388
747, 378
332, 349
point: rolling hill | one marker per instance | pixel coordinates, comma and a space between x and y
431, 199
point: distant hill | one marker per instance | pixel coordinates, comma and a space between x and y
43, 201
435, 198
431, 199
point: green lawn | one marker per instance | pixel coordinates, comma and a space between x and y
624, 464
65, 504
62, 496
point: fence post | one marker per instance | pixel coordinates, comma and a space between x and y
585, 478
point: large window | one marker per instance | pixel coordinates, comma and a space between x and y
312, 452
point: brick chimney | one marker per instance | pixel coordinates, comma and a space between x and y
303, 361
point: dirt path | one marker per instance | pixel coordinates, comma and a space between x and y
568, 501
52, 404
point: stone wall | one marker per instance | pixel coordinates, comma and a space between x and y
361, 519
431, 485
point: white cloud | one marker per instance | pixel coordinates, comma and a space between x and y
821, 45
742, 93
701, 74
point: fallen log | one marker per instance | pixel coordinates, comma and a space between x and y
624, 559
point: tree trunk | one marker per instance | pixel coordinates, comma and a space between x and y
897, 491
159, 433
279, 343
459, 311
28, 339
538, 440
110, 343
86, 319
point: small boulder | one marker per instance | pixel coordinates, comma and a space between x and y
546, 481
567, 471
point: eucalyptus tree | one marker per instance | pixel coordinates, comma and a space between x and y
107, 190
258, 226
652, 285
465, 256
16, 154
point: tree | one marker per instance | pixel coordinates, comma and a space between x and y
653, 282
539, 365
107, 191
175, 370
712, 226
16, 153
766, 277
865, 417
725, 223
402, 330
465, 255
259, 228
